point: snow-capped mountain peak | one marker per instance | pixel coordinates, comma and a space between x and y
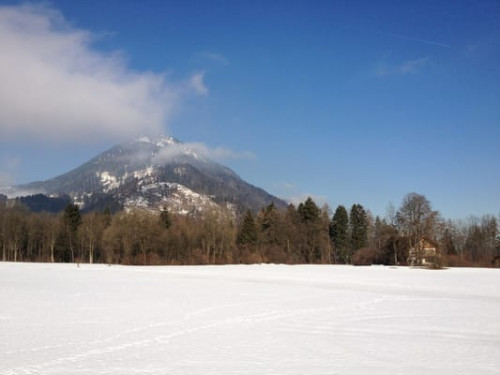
152, 173
161, 141
166, 148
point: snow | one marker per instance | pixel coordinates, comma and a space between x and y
154, 195
260, 319
108, 181
182, 197
188, 192
165, 141
143, 173
144, 139
161, 141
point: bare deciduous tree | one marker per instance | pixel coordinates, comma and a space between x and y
416, 219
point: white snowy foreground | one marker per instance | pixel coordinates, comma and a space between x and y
262, 319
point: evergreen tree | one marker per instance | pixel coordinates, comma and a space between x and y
310, 220
339, 233
308, 211
359, 227
269, 225
72, 220
165, 218
248, 234
72, 217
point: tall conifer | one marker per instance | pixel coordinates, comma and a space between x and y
339, 233
359, 227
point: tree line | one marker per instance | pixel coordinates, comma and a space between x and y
306, 233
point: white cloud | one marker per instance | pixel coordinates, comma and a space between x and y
201, 150
169, 153
197, 84
218, 153
406, 67
56, 86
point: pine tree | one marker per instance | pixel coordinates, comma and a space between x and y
269, 225
339, 233
308, 211
310, 217
72, 220
359, 227
165, 218
248, 234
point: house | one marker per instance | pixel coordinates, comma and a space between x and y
424, 253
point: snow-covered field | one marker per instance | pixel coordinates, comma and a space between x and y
263, 319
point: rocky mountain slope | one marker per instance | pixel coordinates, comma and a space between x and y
152, 173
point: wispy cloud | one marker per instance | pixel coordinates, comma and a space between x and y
431, 42
404, 68
56, 86
214, 57
8, 170
285, 186
219, 153
418, 40
200, 149
197, 84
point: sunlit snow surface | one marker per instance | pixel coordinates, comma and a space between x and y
263, 319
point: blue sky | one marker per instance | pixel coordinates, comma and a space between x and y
348, 102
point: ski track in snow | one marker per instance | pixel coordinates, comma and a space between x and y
263, 319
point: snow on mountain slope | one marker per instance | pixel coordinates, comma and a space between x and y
152, 173
261, 319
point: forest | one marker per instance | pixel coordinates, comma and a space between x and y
302, 234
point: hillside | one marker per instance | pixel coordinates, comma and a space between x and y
152, 173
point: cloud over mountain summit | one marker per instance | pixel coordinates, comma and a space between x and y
57, 86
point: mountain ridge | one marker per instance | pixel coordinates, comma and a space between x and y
151, 173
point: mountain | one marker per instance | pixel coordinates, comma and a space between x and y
152, 174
